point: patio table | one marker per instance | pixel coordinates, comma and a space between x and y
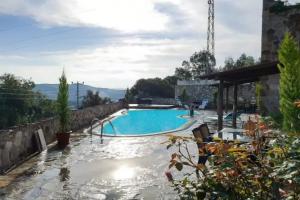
232, 134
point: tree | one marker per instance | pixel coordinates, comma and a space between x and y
62, 104
19, 104
152, 87
202, 63
94, 99
41, 107
184, 72
15, 97
171, 80
184, 96
128, 96
289, 57
242, 61
229, 64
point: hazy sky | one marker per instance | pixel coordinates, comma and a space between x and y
112, 43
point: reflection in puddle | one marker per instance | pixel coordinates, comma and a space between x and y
121, 168
64, 174
124, 172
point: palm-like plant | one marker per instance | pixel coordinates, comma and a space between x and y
94, 99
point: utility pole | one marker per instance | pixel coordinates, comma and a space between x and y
77, 92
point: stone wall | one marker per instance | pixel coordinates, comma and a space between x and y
196, 90
274, 27
164, 101
246, 94
270, 94
199, 92
18, 143
83, 118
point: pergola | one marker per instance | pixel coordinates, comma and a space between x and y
234, 78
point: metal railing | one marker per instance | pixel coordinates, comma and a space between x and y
101, 123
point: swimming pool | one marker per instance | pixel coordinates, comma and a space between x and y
146, 122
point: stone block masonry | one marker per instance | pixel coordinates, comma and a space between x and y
198, 91
18, 143
274, 26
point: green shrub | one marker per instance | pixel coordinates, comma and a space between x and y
277, 119
184, 97
258, 92
289, 57
280, 7
62, 104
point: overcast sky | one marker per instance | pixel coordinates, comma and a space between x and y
112, 43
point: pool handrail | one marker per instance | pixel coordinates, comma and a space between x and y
93, 122
100, 123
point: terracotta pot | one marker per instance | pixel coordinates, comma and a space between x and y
62, 139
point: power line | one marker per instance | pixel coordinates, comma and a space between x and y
21, 97
4, 93
24, 94
1, 88
18, 98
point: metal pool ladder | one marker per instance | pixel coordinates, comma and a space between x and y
101, 123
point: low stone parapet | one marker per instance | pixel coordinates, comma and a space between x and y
18, 143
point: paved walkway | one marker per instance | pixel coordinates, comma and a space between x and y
120, 168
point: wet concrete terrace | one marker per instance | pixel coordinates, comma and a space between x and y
120, 168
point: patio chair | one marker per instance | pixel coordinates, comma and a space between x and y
202, 136
203, 105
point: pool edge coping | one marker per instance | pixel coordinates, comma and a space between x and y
181, 128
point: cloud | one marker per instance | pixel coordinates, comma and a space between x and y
239, 16
293, 1
127, 16
120, 15
153, 37
120, 64
116, 66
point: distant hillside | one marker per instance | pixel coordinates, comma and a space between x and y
51, 90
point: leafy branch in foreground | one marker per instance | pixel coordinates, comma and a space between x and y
266, 168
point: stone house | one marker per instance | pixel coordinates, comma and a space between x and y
275, 23
277, 19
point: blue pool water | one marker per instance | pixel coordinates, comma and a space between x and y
146, 122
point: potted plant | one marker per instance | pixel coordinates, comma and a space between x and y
63, 112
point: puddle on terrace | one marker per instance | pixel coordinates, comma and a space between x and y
118, 148
120, 168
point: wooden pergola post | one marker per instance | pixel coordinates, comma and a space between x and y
234, 112
236, 77
227, 99
220, 105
